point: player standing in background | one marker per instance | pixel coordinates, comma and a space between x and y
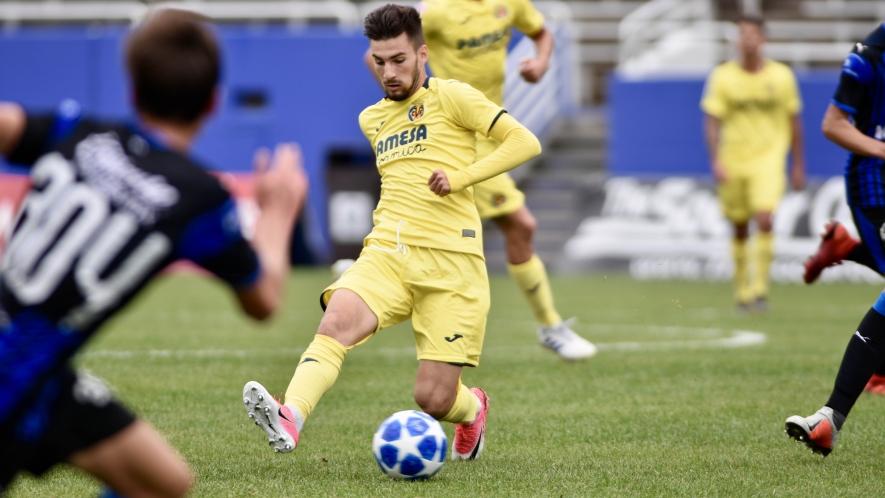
467, 41
855, 120
423, 259
111, 205
752, 121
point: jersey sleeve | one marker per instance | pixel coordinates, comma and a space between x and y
527, 19
857, 75
44, 131
468, 107
214, 240
714, 102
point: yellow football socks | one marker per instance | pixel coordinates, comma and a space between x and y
315, 374
531, 278
742, 292
465, 409
763, 249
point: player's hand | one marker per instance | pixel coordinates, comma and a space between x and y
797, 175
718, 171
280, 181
439, 183
532, 69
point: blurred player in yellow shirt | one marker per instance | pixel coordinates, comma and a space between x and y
467, 40
752, 121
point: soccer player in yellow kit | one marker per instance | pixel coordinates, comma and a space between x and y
423, 259
467, 40
752, 120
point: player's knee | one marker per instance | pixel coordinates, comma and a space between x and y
333, 325
433, 401
178, 484
763, 221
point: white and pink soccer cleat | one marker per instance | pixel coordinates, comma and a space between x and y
470, 438
277, 420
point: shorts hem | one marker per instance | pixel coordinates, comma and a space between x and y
450, 359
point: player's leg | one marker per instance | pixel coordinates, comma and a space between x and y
451, 293
368, 297
864, 355
763, 254
136, 463
838, 245
734, 202
500, 200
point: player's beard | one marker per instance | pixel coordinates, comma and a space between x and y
405, 92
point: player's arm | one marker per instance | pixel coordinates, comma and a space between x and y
280, 189
12, 126
533, 69
837, 127
712, 127
518, 145
797, 150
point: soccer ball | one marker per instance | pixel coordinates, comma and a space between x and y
410, 445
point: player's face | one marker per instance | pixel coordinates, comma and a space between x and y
399, 65
751, 38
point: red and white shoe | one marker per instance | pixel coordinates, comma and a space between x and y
470, 438
276, 419
876, 385
818, 431
836, 243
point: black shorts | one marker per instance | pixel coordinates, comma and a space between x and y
870, 223
70, 412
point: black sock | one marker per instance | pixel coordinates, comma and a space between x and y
839, 419
863, 356
861, 254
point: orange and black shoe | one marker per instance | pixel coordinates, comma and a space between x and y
818, 431
836, 244
876, 385
470, 438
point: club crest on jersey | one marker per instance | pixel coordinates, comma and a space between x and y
416, 111
500, 12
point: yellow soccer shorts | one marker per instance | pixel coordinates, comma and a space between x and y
445, 293
496, 196
743, 195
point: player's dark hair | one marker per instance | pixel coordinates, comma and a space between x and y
758, 21
173, 60
391, 20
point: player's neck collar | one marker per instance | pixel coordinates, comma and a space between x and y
156, 138
426, 82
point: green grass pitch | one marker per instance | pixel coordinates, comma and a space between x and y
656, 413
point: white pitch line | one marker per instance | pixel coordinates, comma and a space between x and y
738, 339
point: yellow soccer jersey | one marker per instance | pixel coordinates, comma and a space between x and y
467, 39
433, 129
755, 110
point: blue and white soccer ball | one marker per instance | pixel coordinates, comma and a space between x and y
410, 445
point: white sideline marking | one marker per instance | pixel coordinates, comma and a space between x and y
738, 339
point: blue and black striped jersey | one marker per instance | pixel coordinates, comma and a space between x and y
109, 207
861, 93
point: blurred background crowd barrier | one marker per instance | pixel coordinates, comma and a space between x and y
618, 115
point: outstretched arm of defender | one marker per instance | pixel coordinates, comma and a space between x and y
518, 145
281, 186
838, 129
12, 126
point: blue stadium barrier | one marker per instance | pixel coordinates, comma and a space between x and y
656, 126
304, 84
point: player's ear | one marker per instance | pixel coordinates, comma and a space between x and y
214, 101
422, 54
